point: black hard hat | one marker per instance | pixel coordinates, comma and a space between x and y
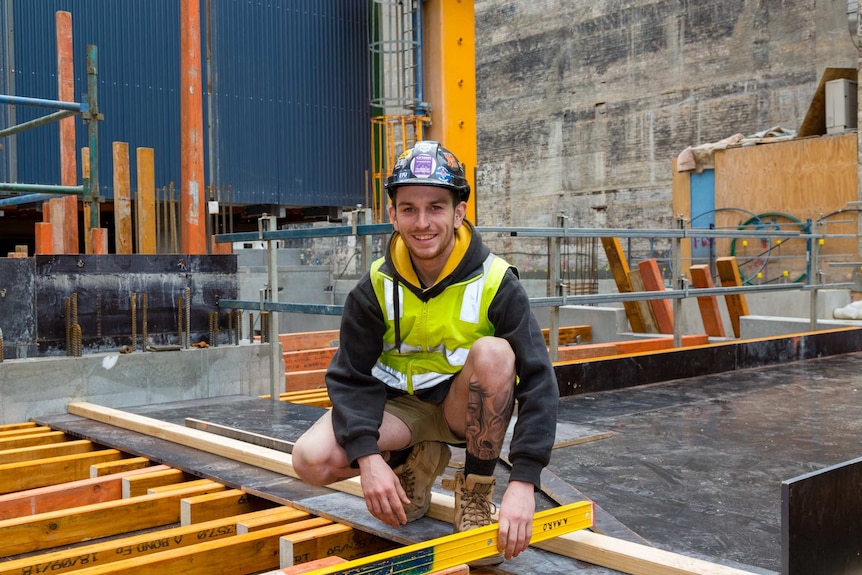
428, 163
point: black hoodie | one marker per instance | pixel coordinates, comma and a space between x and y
358, 397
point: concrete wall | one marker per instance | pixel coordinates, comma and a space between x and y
583, 105
41, 386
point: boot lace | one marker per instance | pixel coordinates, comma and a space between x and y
476, 508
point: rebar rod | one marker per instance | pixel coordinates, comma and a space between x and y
188, 317
144, 322
134, 310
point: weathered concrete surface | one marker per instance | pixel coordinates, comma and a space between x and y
583, 105
40, 386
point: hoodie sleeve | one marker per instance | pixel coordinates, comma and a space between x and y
537, 392
357, 396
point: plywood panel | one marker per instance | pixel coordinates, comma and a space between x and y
803, 178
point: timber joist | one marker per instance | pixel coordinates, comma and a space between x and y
71, 505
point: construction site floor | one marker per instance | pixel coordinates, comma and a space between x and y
691, 466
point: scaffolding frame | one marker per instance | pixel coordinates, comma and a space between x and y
88, 109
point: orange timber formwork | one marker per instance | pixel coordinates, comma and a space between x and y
72, 506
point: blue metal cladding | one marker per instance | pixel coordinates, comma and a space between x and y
289, 81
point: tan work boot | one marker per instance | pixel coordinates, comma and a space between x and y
424, 465
474, 507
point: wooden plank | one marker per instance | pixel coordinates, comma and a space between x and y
650, 325
195, 483
587, 351
653, 281
32, 439
701, 277
339, 540
128, 464
16, 426
309, 340
681, 207
570, 334
620, 270
659, 343
305, 379
145, 201
64, 495
629, 557
140, 484
308, 359
209, 506
122, 199
52, 470
225, 556
24, 431
133, 546
267, 518
56, 528
441, 505
737, 306
310, 566
44, 238
45, 451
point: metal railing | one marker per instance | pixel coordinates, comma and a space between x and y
679, 289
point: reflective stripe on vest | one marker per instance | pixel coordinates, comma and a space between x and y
436, 335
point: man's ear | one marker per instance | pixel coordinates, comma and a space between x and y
460, 213
392, 219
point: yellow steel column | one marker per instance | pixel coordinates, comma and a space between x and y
450, 81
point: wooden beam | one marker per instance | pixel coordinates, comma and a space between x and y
145, 202
304, 379
17, 426
24, 431
128, 464
309, 340
620, 270
64, 495
44, 451
570, 334
337, 539
226, 556
52, 470
209, 506
310, 566
56, 528
267, 518
130, 547
737, 306
308, 359
140, 484
701, 277
631, 558
206, 484
32, 439
650, 325
441, 505
651, 276
122, 199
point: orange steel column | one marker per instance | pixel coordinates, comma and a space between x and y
192, 205
450, 81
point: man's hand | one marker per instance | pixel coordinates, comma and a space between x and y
516, 518
384, 496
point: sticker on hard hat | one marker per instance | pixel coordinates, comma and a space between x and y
443, 175
422, 166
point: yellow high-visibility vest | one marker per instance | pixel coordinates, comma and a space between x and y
435, 335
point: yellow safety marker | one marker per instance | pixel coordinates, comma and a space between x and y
461, 548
